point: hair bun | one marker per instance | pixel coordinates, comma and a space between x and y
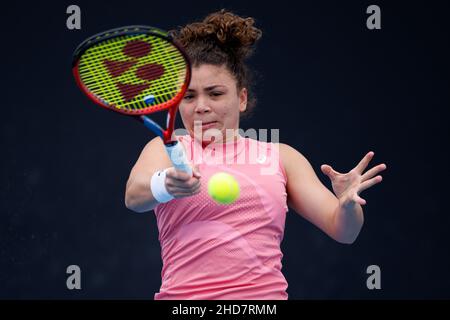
227, 30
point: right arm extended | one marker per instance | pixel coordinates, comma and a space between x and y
138, 195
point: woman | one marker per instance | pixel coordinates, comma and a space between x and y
214, 251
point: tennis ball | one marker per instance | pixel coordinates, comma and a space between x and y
223, 188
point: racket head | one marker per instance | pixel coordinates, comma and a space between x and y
134, 70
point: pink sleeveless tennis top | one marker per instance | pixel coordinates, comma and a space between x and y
215, 251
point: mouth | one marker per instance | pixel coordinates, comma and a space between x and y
208, 124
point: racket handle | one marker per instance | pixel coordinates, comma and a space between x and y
178, 156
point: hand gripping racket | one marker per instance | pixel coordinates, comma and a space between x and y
136, 70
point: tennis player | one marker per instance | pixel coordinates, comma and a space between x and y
215, 251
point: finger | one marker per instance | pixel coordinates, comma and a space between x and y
183, 185
360, 200
354, 196
374, 171
177, 175
362, 165
195, 186
197, 189
329, 171
182, 194
369, 183
196, 171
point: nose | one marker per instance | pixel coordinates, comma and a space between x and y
202, 106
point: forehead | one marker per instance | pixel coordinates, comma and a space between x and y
208, 74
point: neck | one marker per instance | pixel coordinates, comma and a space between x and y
232, 135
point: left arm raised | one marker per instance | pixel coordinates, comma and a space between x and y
339, 217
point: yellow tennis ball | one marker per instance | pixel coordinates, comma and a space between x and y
223, 188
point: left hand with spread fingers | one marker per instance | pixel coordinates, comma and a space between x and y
348, 186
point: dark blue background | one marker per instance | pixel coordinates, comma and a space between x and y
334, 89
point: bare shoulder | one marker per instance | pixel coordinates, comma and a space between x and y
155, 143
286, 150
153, 156
292, 159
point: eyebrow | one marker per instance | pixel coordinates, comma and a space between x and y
208, 88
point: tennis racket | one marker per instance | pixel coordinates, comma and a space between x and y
136, 71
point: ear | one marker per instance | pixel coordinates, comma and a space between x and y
243, 100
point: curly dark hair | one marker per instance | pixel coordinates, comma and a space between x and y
222, 38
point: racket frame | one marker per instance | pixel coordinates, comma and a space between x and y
172, 105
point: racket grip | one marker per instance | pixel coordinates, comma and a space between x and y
178, 157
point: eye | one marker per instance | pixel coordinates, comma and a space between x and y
216, 94
188, 97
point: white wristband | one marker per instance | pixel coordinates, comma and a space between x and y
158, 187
